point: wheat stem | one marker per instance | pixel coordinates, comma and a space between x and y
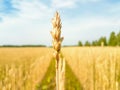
57, 40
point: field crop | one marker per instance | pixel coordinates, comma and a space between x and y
97, 68
23, 68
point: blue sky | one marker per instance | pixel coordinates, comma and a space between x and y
29, 21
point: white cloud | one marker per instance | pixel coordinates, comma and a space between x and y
89, 28
93, 23
30, 26
97, 22
27, 31
69, 3
31, 9
63, 3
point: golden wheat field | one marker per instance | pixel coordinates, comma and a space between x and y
23, 68
97, 68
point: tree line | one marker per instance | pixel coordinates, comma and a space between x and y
113, 40
22, 45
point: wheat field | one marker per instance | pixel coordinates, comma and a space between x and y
23, 68
96, 68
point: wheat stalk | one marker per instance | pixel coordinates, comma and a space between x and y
57, 40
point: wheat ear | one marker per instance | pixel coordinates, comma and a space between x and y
57, 40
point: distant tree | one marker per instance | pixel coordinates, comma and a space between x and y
102, 40
87, 43
23, 46
105, 41
118, 39
94, 43
112, 40
80, 43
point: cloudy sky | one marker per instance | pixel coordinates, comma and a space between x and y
29, 21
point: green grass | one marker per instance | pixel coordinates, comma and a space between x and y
48, 82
